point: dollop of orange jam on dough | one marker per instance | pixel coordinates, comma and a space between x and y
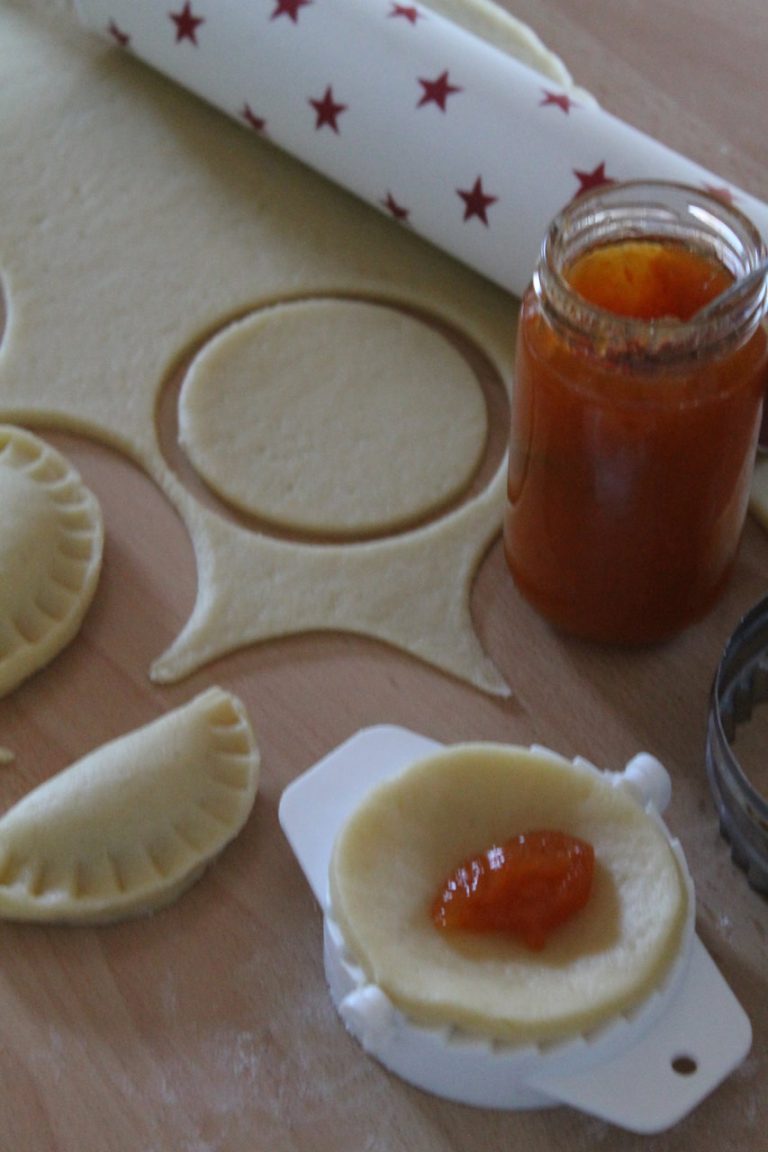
528, 886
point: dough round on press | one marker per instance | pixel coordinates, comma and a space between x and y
396, 851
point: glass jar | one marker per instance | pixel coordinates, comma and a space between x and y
634, 421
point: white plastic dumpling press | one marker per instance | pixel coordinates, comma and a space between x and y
643, 1070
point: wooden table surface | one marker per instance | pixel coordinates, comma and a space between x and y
208, 1028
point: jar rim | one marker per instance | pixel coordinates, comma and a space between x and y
651, 209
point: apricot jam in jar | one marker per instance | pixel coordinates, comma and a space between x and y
634, 420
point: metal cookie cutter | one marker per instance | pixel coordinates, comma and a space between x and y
740, 685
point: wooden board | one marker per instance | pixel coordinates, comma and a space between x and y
208, 1027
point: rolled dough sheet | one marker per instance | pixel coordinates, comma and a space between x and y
134, 221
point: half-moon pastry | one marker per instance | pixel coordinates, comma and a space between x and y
393, 855
51, 543
130, 826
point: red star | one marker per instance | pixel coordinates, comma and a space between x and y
117, 34
186, 24
476, 201
720, 192
559, 99
397, 211
258, 123
437, 91
594, 179
328, 111
289, 8
408, 12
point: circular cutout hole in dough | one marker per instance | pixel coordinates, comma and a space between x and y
393, 855
51, 545
333, 417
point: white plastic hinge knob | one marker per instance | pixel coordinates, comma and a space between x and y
369, 1014
648, 781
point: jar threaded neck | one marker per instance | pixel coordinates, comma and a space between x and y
668, 214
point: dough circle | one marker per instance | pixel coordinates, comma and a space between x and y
51, 544
333, 416
392, 856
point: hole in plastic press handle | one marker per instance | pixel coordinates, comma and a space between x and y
684, 1065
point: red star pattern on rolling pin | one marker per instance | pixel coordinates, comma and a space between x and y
328, 111
396, 211
408, 12
720, 192
437, 91
258, 123
597, 178
122, 39
476, 201
388, 74
559, 100
289, 8
186, 23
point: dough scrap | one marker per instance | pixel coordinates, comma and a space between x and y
296, 413
51, 546
391, 858
493, 23
125, 830
116, 188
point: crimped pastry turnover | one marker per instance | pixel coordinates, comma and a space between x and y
51, 543
129, 827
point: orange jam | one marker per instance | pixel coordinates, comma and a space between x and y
631, 455
648, 279
528, 887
